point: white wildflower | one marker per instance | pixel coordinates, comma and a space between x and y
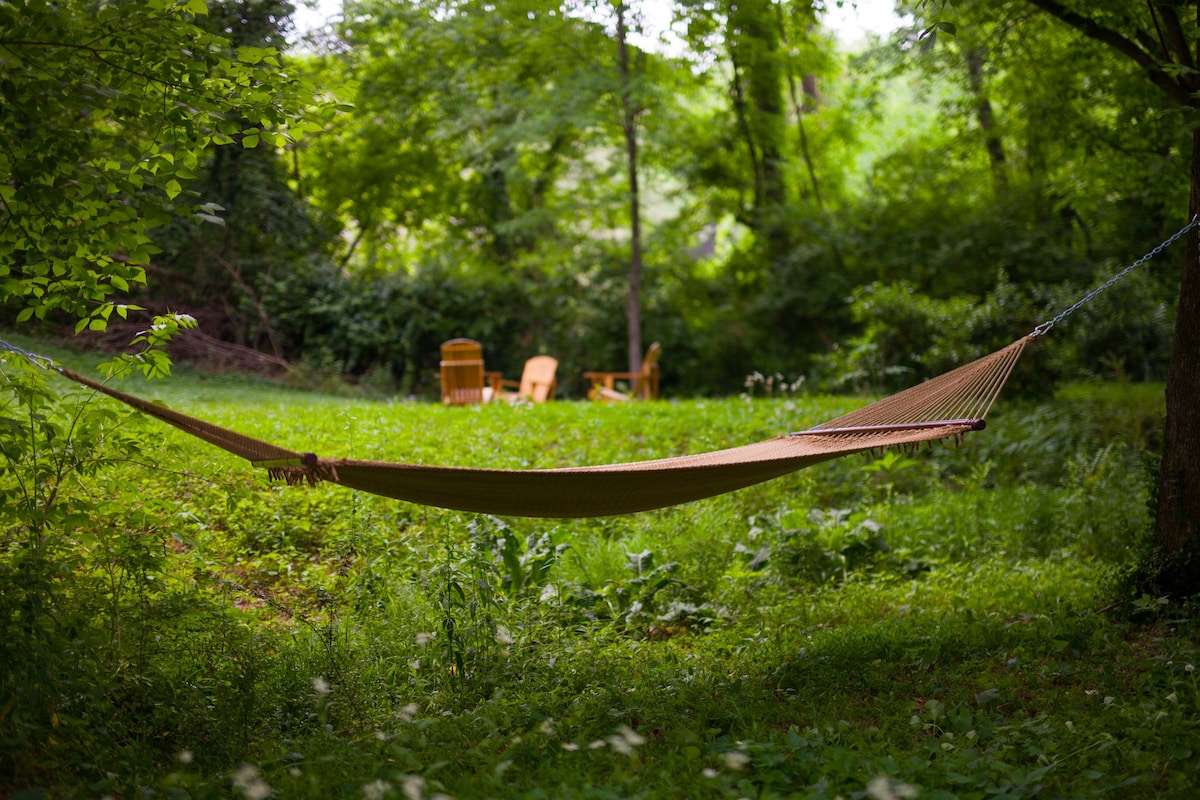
320, 685
185, 757
736, 759
503, 637
570, 746
251, 784
413, 787
597, 744
620, 745
883, 788
708, 772
624, 740
547, 727
376, 789
631, 736
424, 638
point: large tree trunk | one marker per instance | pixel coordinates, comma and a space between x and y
1179, 477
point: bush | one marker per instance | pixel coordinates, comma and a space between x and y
905, 337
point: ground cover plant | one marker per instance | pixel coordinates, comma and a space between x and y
932, 624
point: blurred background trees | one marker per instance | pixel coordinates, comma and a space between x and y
864, 215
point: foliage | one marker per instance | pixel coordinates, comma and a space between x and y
905, 336
84, 184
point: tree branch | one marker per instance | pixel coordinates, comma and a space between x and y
1175, 36
1155, 69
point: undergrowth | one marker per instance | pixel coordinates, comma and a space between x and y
928, 624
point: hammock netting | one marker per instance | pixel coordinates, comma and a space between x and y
945, 407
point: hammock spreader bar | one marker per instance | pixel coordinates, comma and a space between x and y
944, 407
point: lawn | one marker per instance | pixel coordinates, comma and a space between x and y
936, 624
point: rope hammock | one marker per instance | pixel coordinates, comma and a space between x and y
945, 407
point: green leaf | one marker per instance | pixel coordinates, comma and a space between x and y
172, 188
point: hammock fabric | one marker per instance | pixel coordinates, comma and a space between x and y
944, 407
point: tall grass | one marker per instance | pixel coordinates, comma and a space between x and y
907, 625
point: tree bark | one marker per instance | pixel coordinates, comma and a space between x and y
1179, 475
987, 120
633, 303
809, 88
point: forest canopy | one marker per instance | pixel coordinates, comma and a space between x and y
573, 178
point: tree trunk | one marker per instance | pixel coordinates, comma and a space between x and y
987, 119
754, 44
809, 88
633, 303
1178, 512
1179, 476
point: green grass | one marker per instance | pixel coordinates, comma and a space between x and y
172, 625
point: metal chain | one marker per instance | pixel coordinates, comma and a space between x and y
44, 362
1045, 327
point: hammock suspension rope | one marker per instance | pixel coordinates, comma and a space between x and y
1044, 328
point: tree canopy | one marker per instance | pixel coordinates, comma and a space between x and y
109, 111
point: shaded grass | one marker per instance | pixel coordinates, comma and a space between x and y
924, 624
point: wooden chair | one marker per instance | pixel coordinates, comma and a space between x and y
462, 372
537, 382
643, 384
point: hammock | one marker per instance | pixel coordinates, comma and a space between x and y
945, 407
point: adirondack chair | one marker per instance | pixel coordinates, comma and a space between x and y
643, 385
462, 372
537, 382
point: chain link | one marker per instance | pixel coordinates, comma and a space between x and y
1045, 327
38, 361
